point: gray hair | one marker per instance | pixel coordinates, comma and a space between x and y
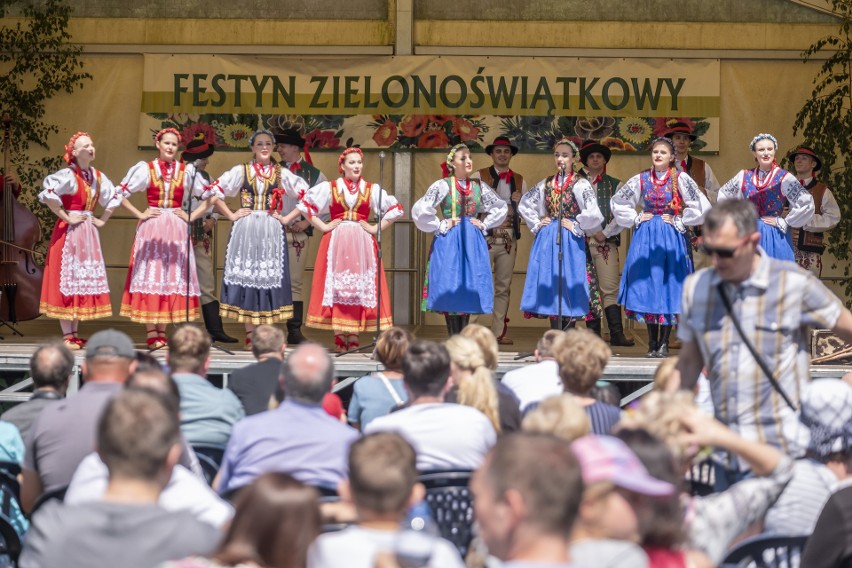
740, 211
305, 380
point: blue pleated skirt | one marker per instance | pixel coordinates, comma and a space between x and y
775, 242
657, 265
541, 289
459, 272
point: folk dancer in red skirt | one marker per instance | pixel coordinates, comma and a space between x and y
75, 283
344, 295
155, 292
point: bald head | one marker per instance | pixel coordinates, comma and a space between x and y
51, 366
307, 374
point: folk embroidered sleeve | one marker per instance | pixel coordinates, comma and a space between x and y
624, 203
391, 208
696, 203
424, 213
829, 216
801, 203
532, 207
496, 208
590, 216
316, 200
58, 184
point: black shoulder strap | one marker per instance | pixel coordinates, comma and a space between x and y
760, 362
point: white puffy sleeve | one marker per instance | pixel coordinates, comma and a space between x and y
294, 186
531, 208
624, 202
109, 197
136, 180
613, 228
199, 184
696, 204
316, 200
829, 217
58, 184
590, 217
230, 183
391, 208
496, 208
801, 203
733, 189
424, 212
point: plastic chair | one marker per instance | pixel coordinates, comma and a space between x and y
701, 477
767, 551
451, 503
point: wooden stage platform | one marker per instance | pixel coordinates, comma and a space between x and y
628, 367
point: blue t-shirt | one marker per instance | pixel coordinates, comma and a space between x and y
371, 399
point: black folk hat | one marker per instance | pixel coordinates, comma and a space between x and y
290, 136
590, 147
197, 149
807, 152
501, 141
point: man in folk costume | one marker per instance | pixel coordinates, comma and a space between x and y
603, 245
808, 244
198, 152
503, 240
289, 145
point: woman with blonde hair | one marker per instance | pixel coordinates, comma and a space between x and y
510, 406
559, 416
474, 384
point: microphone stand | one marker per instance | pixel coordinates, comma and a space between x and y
559, 248
188, 210
379, 217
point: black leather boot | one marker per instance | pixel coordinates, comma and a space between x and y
616, 328
294, 325
594, 325
463, 321
663, 349
451, 325
213, 323
653, 340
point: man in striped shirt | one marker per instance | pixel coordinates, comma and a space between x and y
775, 302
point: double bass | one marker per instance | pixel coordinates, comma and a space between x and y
20, 276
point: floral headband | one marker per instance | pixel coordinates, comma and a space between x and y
69, 148
760, 137
258, 133
663, 140
346, 152
568, 142
159, 135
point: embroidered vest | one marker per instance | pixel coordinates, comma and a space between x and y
308, 172
516, 183
84, 199
660, 199
160, 196
769, 201
809, 241
249, 196
338, 208
551, 200
695, 170
456, 204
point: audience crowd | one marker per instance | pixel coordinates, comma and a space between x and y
146, 467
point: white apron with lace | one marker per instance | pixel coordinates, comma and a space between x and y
254, 258
350, 278
82, 272
160, 257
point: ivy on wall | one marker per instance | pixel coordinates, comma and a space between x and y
826, 123
37, 62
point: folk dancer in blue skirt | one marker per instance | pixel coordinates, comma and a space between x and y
256, 282
458, 276
539, 208
770, 188
657, 261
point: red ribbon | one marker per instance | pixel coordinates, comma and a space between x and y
295, 167
277, 201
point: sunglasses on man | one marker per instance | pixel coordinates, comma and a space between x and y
723, 252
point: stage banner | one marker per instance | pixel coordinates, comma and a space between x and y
429, 102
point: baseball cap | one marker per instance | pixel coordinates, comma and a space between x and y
110, 342
605, 458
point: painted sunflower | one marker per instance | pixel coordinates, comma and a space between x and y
636, 131
236, 135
